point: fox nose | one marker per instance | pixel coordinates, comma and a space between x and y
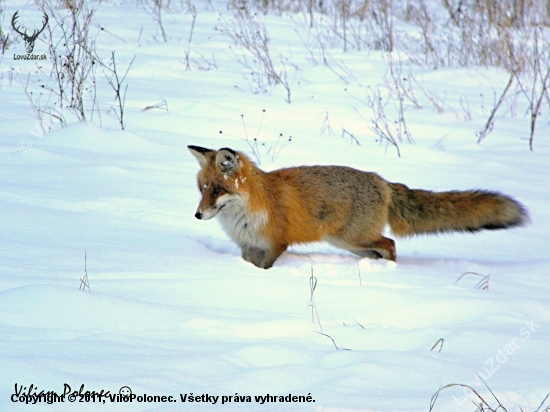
198, 215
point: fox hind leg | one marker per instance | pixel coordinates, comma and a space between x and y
383, 248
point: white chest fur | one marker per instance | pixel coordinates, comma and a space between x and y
243, 226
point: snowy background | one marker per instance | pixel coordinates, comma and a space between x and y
173, 309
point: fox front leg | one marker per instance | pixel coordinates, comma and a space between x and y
261, 258
253, 255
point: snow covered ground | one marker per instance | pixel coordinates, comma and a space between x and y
172, 307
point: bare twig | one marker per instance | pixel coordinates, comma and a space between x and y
273, 151
542, 403
72, 50
314, 313
115, 81
326, 127
161, 105
483, 284
380, 123
353, 139
333, 342
155, 9
491, 120
440, 342
249, 32
193, 10
483, 403
85, 282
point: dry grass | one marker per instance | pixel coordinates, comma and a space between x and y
446, 32
483, 284
511, 34
72, 50
249, 33
479, 402
439, 343
482, 404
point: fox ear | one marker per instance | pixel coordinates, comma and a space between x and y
200, 153
228, 160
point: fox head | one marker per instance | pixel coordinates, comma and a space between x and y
217, 179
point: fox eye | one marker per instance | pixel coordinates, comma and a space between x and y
217, 190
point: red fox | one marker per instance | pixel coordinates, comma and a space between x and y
265, 213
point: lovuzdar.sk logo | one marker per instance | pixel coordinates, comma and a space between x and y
28, 38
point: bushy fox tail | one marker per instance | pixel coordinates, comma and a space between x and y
414, 211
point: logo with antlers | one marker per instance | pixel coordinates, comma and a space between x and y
29, 40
